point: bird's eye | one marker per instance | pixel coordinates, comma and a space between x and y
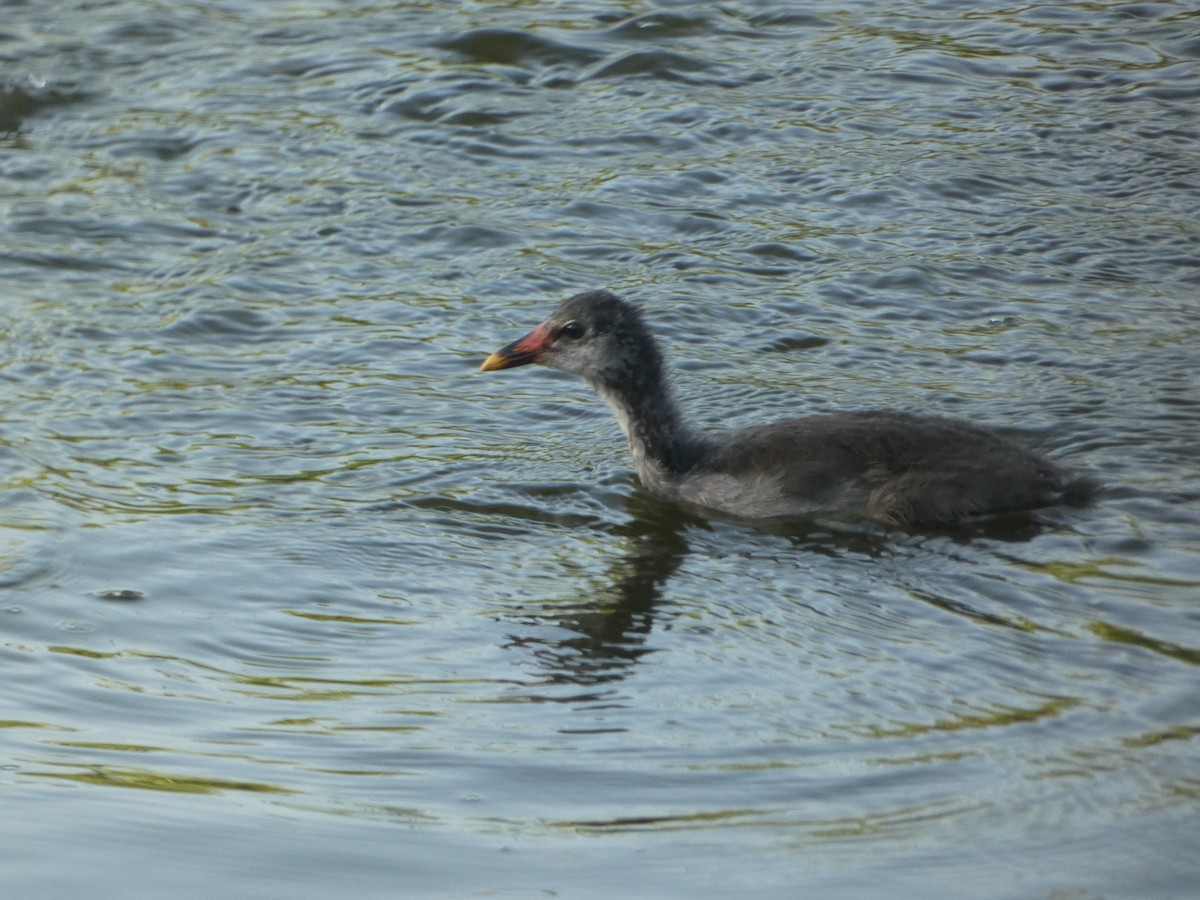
571, 331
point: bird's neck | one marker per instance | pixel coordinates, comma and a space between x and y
662, 446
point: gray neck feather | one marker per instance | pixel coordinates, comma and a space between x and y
663, 448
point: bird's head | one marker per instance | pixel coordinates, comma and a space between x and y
595, 335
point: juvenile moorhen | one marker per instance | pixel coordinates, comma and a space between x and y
895, 467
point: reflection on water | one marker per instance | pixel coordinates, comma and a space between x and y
612, 622
281, 570
106, 776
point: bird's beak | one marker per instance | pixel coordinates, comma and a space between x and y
521, 352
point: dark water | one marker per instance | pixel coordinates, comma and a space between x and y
295, 602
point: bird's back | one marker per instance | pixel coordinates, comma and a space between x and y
891, 466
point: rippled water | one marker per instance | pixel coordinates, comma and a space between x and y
295, 601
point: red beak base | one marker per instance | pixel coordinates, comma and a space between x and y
521, 352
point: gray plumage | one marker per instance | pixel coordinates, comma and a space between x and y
891, 466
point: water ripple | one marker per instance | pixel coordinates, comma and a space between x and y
274, 550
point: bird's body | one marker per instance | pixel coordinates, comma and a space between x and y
891, 466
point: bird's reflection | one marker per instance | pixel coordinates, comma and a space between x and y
610, 626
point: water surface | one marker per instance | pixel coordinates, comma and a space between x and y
296, 601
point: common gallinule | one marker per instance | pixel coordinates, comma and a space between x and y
892, 466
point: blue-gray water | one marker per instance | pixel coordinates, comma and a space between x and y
295, 603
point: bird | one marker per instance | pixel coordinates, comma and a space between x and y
899, 468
